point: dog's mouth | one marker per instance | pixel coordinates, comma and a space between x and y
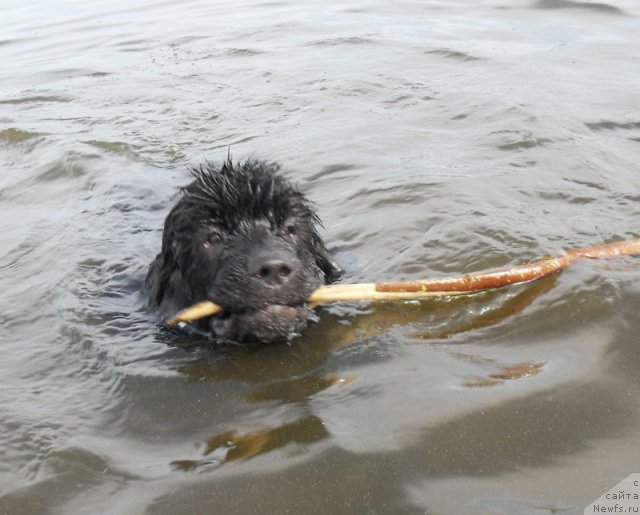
272, 323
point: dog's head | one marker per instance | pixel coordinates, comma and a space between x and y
244, 237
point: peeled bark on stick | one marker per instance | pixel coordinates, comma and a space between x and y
438, 287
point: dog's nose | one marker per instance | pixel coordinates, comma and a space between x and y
274, 272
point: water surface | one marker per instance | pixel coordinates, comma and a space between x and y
435, 137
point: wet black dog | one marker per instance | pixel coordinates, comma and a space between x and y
244, 237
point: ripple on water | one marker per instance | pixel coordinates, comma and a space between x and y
243, 52
353, 40
16, 136
609, 125
36, 99
453, 54
570, 4
118, 147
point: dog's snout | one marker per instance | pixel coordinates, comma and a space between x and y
273, 269
274, 272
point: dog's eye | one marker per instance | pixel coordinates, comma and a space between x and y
291, 230
213, 238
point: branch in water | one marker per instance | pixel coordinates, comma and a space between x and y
439, 287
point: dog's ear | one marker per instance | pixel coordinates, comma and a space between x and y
159, 276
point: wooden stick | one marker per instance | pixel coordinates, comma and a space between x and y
438, 287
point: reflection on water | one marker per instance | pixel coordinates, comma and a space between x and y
515, 371
231, 446
435, 138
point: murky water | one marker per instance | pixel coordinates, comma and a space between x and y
435, 137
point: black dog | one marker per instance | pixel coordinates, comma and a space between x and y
243, 237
